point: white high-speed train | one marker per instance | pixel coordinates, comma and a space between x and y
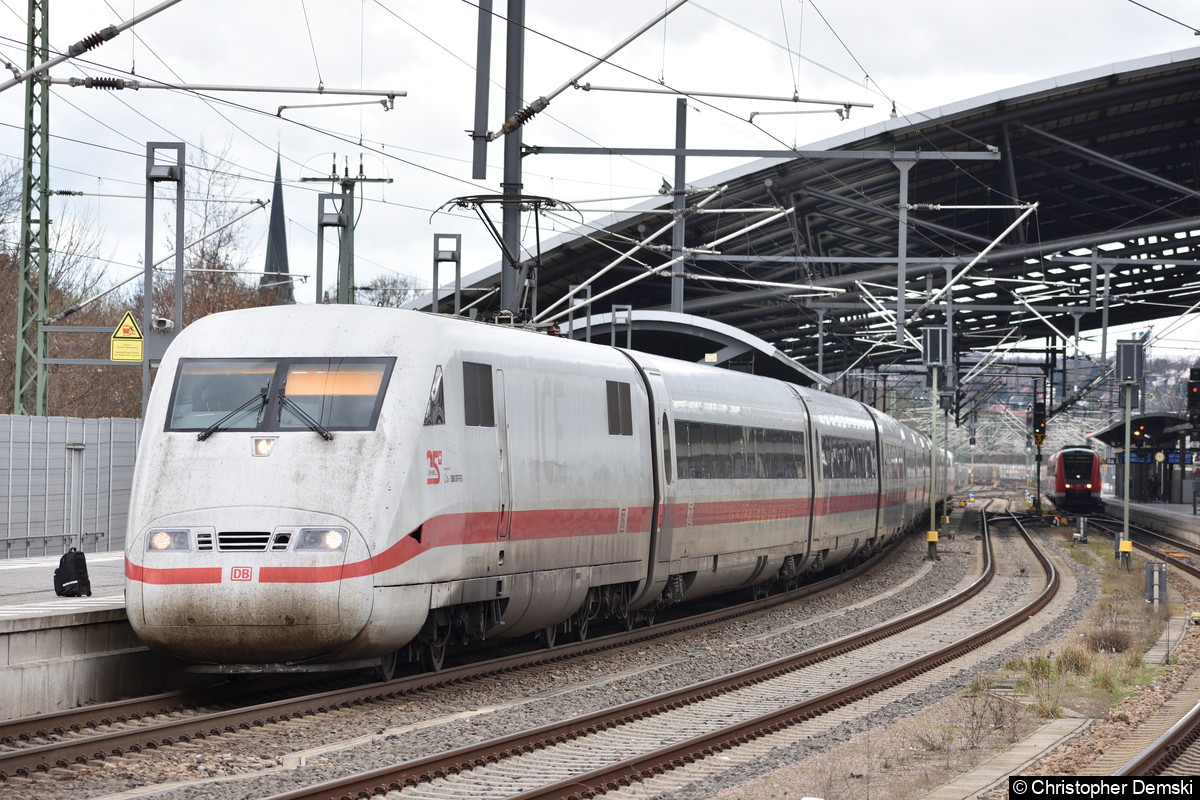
347, 485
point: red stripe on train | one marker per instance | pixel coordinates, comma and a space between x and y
480, 528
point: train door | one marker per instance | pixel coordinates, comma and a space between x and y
662, 451
812, 457
883, 487
504, 517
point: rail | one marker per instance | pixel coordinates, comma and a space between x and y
463, 759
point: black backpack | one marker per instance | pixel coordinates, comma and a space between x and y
71, 577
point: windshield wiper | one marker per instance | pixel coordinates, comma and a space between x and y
313, 425
260, 398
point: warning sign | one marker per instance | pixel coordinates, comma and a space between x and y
126, 342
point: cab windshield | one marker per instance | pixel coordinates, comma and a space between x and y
269, 394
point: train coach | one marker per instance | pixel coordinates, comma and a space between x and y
337, 486
1074, 473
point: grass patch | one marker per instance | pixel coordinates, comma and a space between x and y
1106, 662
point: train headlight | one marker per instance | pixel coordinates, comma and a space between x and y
327, 539
163, 540
1089, 486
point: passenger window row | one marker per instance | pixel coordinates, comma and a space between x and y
707, 450
842, 457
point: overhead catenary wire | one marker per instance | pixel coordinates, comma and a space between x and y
661, 267
260, 204
136, 84
616, 262
523, 116
920, 312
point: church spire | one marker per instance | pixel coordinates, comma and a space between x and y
276, 280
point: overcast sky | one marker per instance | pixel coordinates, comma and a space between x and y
917, 55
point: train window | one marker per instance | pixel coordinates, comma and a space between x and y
780, 450
696, 445
435, 409
799, 468
620, 409
682, 457
479, 408
762, 456
738, 447
842, 457
724, 451
706, 450
338, 393
212, 395
666, 439
207, 390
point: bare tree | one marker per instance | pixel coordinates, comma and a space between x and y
390, 290
214, 264
74, 275
10, 210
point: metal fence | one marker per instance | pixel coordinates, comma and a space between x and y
64, 482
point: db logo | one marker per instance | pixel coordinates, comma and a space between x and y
241, 573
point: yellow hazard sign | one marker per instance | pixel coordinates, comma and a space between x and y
126, 342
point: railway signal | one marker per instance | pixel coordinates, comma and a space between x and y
1193, 396
1039, 422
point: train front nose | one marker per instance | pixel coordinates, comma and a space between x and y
281, 594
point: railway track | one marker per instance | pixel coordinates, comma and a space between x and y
1146, 751
38, 744
1176, 752
1179, 554
620, 746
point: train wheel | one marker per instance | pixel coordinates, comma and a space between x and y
385, 670
433, 655
579, 624
548, 636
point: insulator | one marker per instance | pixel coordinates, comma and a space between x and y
525, 114
92, 42
111, 84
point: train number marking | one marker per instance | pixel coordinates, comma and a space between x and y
241, 573
434, 473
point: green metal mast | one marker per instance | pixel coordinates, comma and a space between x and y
29, 395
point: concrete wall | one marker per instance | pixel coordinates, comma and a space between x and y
64, 482
56, 662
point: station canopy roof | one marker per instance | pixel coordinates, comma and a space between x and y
1111, 157
1146, 430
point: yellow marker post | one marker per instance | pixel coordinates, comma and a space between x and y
1125, 549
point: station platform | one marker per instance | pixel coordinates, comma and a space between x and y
27, 586
1171, 519
57, 652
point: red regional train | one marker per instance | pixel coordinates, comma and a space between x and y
1075, 474
334, 486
